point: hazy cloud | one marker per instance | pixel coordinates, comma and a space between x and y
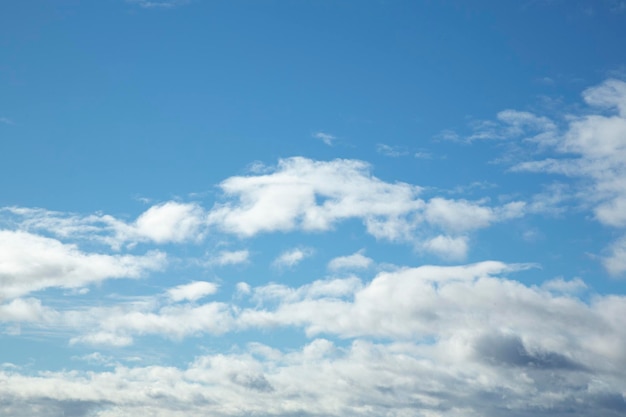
391, 151
292, 257
158, 4
327, 138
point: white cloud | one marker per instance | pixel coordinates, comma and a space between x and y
311, 195
458, 215
512, 124
96, 358
301, 194
102, 338
448, 135
169, 222
30, 263
394, 304
567, 287
592, 147
391, 151
292, 257
24, 310
355, 261
298, 194
6, 121
447, 247
243, 288
609, 95
454, 341
363, 379
327, 138
615, 262
423, 155
457, 218
231, 258
119, 325
192, 291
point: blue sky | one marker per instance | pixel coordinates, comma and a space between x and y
312, 208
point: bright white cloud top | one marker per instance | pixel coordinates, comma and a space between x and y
175, 241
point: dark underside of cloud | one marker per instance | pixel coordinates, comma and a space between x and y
49, 407
509, 350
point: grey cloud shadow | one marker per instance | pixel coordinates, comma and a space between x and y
509, 350
254, 382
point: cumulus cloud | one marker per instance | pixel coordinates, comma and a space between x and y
30, 262
432, 340
395, 304
310, 195
25, 310
451, 248
169, 222
362, 379
301, 194
388, 306
298, 195
119, 325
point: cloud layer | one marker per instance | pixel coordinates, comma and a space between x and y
432, 341
363, 338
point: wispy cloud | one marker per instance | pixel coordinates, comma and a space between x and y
509, 124
590, 148
423, 155
292, 257
6, 121
391, 151
158, 4
327, 138
169, 222
448, 135
224, 258
512, 124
